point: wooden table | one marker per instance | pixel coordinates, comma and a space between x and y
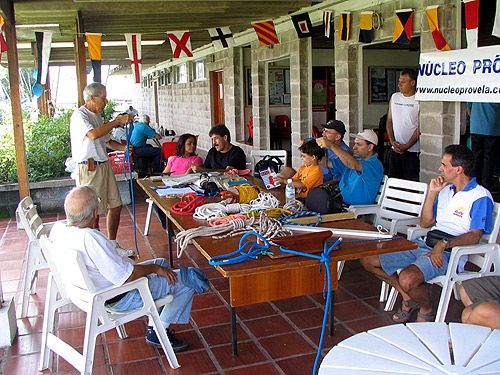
417, 348
267, 279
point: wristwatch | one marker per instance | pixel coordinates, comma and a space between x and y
445, 241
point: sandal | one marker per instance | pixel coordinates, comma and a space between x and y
430, 317
405, 312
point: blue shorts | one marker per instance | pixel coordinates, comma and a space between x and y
392, 262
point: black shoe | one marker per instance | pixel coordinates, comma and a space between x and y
177, 345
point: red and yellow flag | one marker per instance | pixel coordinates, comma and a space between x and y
266, 32
433, 20
403, 24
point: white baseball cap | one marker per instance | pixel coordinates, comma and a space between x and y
367, 135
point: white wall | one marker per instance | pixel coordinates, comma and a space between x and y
382, 58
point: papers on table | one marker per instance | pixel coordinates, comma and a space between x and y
164, 191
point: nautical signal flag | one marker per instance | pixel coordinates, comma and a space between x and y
496, 25
366, 27
266, 33
3, 43
180, 42
403, 24
471, 22
43, 46
221, 37
95, 53
327, 21
344, 25
302, 24
433, 20
134, 54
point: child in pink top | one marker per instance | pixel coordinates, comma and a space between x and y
185, 156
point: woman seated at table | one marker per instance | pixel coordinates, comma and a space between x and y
181, 163
185, 156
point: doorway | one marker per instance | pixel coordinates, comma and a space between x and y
217, 79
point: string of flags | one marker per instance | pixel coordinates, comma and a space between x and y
222, 38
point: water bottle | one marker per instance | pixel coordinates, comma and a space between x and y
289, 191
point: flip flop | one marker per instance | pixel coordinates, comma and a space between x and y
405, 315
430, 317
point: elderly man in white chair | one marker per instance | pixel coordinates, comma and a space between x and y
107, 268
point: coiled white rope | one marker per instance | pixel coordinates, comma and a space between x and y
294, 206
212, 210
184, 237
264, 201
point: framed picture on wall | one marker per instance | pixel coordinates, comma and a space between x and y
377, 85
382, 83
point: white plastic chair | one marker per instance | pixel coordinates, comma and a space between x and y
369, 209
485, 255
70, 280
31, 222
150, 203
400, 207
364, 209
257, 155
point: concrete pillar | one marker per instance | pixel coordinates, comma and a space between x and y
438, 120
347, 58
301, 91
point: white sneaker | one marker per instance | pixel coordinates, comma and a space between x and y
124, 252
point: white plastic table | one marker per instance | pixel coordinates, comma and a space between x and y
417, 348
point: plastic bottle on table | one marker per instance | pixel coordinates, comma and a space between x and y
289, 191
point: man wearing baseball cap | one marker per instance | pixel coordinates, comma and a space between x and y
331, 165
363, 172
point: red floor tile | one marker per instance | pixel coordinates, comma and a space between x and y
351, 310
130, 350
289, 344
150, 367
266, 368
307, 318
192, 363
267, 326
248, 353
206, 300
208, 317
21, 365
221, 334
298, 365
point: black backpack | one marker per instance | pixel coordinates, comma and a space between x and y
268, 161
325, 199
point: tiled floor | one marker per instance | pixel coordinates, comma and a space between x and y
274, 338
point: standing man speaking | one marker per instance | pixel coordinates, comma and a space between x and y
89, 137
403, 129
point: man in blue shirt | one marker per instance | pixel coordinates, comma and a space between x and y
332, 167
363, 172
485, 140
152, 155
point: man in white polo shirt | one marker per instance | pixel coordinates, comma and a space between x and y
455, 205
90, 136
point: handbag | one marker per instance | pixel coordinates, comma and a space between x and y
325, 199
435, 235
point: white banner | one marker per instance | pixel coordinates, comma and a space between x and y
466, 75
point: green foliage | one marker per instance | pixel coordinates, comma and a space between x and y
47, 147
109, 111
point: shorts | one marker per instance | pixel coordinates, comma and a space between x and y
393, 262
104, 182
483, 289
